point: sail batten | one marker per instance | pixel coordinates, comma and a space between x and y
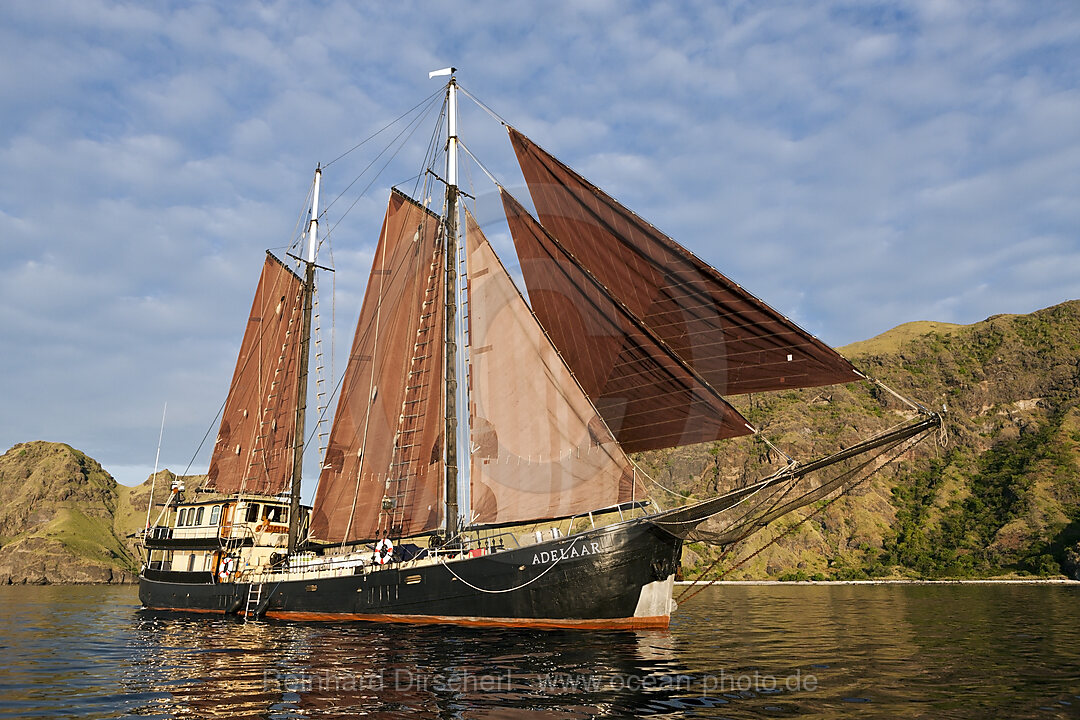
383, 471
647, 394
735, 341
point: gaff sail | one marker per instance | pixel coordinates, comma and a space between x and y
254, 447
383, 471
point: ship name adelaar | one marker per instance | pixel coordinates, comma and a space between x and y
565, 553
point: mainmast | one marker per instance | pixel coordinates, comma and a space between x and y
450, 431
302, 375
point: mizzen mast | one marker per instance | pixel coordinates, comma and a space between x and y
302, 374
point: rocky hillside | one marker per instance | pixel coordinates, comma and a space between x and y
1002, 497
63, 519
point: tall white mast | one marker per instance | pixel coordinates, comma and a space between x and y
450, 391
451, 133
305, 344
313, 226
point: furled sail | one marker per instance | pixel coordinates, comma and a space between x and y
254, 447
539, 450
734, 340
383, 471
646, 393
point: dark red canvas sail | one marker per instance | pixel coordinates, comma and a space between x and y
646, 394
254, 447
383, 472
731, 338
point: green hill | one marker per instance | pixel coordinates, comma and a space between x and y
57, 510
63, 519
1001, 498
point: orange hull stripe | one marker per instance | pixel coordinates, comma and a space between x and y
191, 610
630, 623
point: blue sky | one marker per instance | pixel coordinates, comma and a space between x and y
858, 165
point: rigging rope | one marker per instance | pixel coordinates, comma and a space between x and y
411, 128
690, 591
548, 569
384, 127
484, 107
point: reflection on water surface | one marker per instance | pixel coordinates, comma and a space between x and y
734, 651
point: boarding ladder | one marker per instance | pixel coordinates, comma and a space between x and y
254, 599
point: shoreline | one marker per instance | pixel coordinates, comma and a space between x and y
896, 581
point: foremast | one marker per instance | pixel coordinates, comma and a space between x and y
302, 374
451, 249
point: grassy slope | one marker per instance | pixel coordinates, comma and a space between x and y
54, 493
893, 340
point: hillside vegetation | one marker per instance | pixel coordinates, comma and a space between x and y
1002, 497
64, 519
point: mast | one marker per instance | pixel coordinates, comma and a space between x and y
301, 379
153, 478
451, 307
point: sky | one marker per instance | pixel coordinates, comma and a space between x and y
858, 165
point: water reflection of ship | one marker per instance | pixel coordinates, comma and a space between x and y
219, 668
201, 667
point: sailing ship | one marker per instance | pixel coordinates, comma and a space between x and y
627, 342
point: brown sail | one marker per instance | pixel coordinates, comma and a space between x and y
254, 447
383, 472
734, 340
646, 393
539, 449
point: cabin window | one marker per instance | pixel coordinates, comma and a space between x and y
252, 513
166, 561
191, 563
215, 514
181, 517
198, 517
208, 562
276, 514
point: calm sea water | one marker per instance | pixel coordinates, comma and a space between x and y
895, 651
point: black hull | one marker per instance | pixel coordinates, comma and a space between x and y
618, 576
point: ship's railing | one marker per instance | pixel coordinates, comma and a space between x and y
243, 531
158, 532
311, 566
229, 531
236, 531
